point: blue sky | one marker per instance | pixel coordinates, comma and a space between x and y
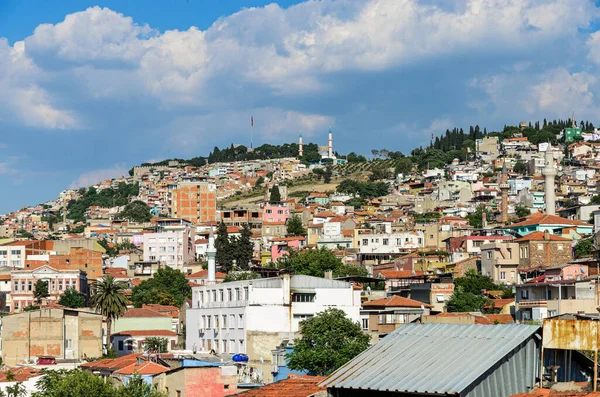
92, 88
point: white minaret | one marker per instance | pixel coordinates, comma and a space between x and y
300, 150
330, 144
211, 253
549, 173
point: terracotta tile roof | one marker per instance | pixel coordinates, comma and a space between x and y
539, 236
395, 301
500, 303
399, 273
294, 386
21, 374
145, 368
201, 241
113, 363
294, 238
325, 214
542, 219
160, 308
142, 312
204, 274
494, 319
146, 332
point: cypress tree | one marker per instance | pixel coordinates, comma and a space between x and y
275, 195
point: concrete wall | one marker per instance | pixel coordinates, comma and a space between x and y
198, 382
45, 332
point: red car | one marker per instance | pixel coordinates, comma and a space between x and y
46, 361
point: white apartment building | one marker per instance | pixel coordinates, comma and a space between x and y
256, 316
13, 256
390, 243
175, 249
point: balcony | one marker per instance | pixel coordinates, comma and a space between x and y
532, 303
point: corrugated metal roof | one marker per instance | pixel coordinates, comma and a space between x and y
430, 358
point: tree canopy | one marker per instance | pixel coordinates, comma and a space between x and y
275, 195
109, 197
136, 211
40, 290
584, 247
71, 298
223, 246
363, 189
167, 287
315, 262
294, 226
108, 297
329, 340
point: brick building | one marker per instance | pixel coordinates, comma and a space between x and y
195, 201
539, 250
82, 259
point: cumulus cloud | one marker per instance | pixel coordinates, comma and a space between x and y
92, 177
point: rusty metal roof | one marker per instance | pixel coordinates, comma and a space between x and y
439, 359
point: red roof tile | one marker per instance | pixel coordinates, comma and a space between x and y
21, 374
543, 219
141, 312
399, 273
539, 236
395, 301
294, 386
204, 274
145, 368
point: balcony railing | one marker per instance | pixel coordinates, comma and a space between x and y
532, 303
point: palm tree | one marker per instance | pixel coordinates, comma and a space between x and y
109, 299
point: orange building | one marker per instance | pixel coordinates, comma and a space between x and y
82, 259
195, 202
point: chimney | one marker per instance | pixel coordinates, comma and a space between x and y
483, 220
328, 275
546, 235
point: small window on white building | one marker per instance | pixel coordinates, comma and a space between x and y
386, 241
502, 275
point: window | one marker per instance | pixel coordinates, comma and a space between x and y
16, 286
29, 285
238, 294
524, 252
152, 258
232, 321
280, 212
68, 344
60, 285
208, 322
559, 247
439, 298
386, 241
217, 321
489, 254
365, 241
3, 253
303, 297
302, 317
151, 249
241, 321
540, 247
162, 249
229, 295
214, 296
477, 243
524, 294
171, 240
171, 248
502, 275
242, 349
151, 241
129, 345
269, 211
224, 325
22, 285
365, 323
221, 295
121, 345
246, 293
15, 252
15, 263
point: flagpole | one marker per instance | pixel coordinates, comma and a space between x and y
251, 129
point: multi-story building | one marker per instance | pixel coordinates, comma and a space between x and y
255, 316
175, 249
499, 260
15, 254
195, 201
390, 243
58, 280
80, 258
539, 250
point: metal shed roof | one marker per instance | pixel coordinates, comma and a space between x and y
430, 358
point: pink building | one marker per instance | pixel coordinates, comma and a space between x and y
275, 213
281, 246
569, 271
23, 284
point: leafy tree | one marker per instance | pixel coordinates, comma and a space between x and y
239, 276
522, 211
167, 285
16, 390
71, 298
109, 299
243, 248
363, 189
476, 218
520, 167
294, 226
259, 181
356, 202
404, 166
584, 248
156, 344
329, 340
315, 262
327, 174
137, 387
378, 173
570, 203
223, 247
73, 383
136, 211
31, 308
595, 200
275, 195
40, 290
462, 301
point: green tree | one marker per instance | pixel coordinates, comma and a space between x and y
404, 166
294, 226
259, 181
243, 248
136, 211
520, 168
329, 340
315, 262
167, 285
275, 195
16, 390
476, 218
40, 290
108, 297
156, 344
595, 200
73, 383
71, 298
137, 387
327, 174
584, 248
521, 211
462, 301
223, 246
239, 276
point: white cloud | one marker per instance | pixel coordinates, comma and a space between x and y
92, 177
